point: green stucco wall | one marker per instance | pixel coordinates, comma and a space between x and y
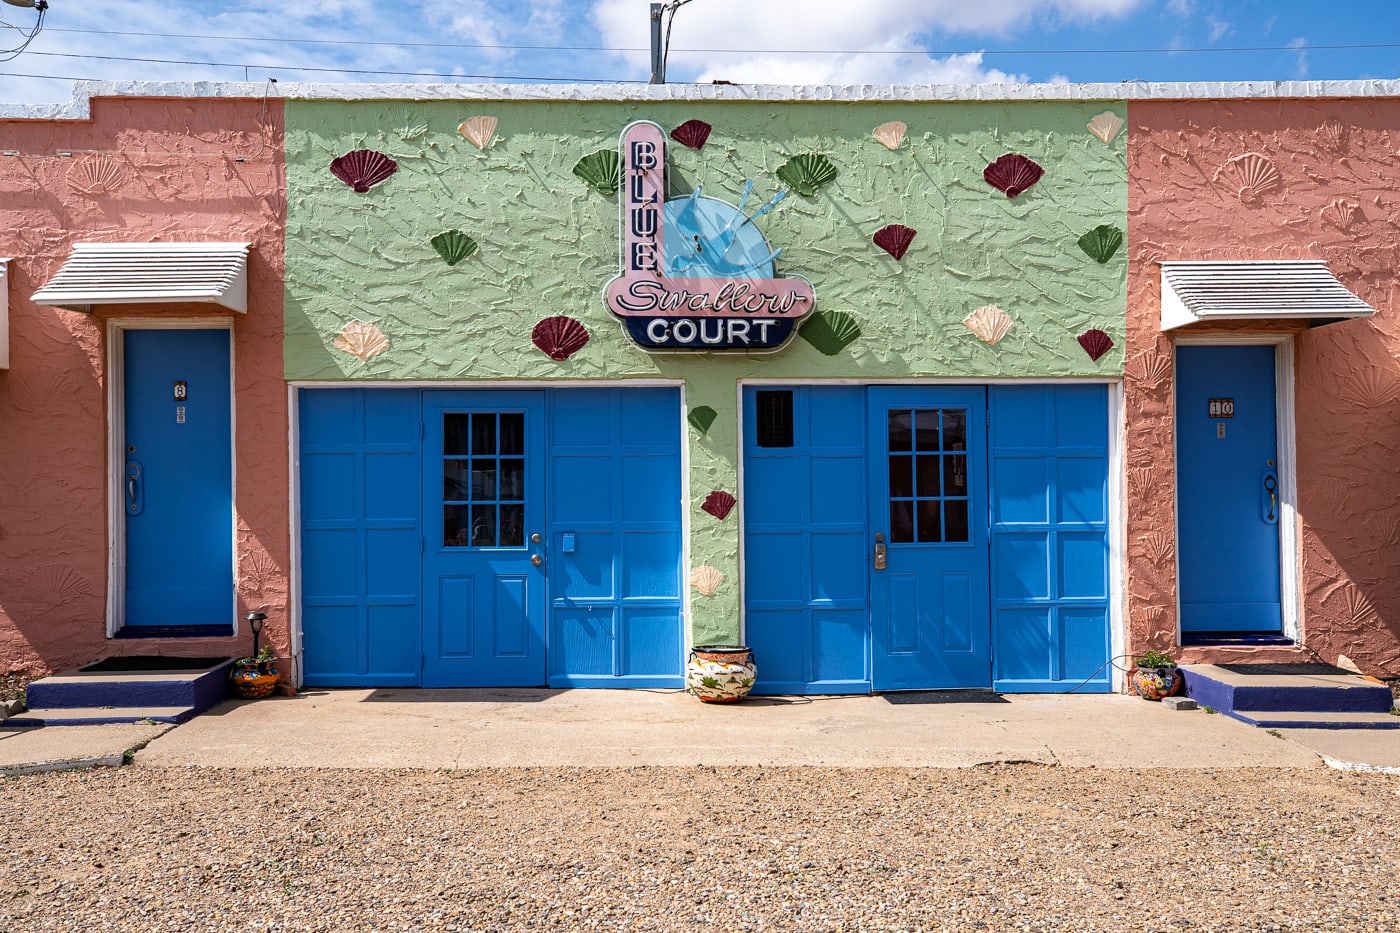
549, 244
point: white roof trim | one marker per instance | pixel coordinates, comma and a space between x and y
150, 273
1255, 291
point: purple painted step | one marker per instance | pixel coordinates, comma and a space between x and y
1252, 692
96, 694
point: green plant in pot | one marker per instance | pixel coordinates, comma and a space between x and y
255, 676
1155, 675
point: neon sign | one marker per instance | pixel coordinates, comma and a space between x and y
697, 275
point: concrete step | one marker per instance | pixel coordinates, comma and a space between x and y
200, 687
1307, 720
99, 716
1292, 695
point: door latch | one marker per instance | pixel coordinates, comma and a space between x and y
879, 552
1270, 498
134, 497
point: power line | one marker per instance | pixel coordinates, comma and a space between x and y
357, 71
731, 51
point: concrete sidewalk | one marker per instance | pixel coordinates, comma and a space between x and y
400, 728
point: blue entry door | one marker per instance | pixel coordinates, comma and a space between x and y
483, 557
1227, 490
930, 605
177, 478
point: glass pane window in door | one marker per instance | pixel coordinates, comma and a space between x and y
483, 493
928, 488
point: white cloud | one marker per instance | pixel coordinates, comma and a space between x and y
1300, 67
801, 41
1219, 28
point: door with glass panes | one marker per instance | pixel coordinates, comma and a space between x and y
483, 574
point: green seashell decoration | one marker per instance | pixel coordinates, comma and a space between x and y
701, 417
601, 170
453, 246
806, 173
1101, 242
829, 331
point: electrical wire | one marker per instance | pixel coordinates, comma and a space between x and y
42, 8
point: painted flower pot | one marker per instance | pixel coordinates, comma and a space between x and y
720, 673
252, 680
1154, 683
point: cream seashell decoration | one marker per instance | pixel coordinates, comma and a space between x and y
361, 340
989, 323
891, 135
479, 131
706, 579
1106, 126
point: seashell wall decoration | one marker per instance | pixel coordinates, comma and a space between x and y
411, 126
1158, 547
1150, 368
807, 173
701, 417
54, 585
559, 337
1359, 605
1101, 242
1106, 126
1013, 174
895, 239
99, 175
1333, 135
1341, 214
453, 246
891, 135
989, 323
1257, 175
718, 503
706, 579
361, 340
479, 131
829, 331
363, 168
1095, 343
601, 170
692, 133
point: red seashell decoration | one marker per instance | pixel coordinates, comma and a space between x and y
1012, 174
895, 239
692, 133
559, 337
718, 504
1095, 343
362, 168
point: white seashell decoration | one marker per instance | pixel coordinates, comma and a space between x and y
989, 323
361, 340
706, 579
479, 131
1257, 176
1106, 126
100, 175
891, 135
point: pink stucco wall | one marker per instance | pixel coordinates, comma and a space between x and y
139, 171
1338, 199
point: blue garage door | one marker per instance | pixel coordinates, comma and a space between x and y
991, 509
480, 538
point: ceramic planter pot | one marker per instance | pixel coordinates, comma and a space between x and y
720, 673
1154, 683
252, 680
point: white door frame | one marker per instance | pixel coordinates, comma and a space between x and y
1290, 569
116, 456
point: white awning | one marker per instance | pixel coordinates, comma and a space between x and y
150, 273
1255, 291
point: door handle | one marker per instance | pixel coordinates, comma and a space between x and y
879, 552
1270, 498
536, 559
134, 499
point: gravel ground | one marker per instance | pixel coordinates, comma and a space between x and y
1010, 847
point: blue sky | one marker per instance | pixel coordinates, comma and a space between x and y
744, 41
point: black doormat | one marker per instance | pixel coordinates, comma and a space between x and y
1301, 667
918, 697
150, 662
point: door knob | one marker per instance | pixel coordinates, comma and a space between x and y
536, 559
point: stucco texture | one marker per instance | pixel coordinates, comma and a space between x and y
549, 244
1335, 199
138, 171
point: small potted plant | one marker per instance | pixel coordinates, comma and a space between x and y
1155, 675
254, 677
